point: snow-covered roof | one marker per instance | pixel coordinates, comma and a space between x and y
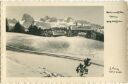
43, 25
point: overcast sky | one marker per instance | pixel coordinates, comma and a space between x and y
94, 14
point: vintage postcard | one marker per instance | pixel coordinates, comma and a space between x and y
63, 41
54, 39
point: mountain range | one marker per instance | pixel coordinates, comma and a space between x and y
46, 21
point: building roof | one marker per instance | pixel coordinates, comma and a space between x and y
43, 25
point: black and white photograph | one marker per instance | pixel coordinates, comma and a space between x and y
55, 41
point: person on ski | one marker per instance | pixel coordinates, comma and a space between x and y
87, 62
82, 68
79, 67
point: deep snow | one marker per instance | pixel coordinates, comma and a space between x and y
24, 64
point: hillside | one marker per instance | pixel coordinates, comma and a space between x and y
71, 46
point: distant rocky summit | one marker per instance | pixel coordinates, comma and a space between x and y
47, 21
27, 21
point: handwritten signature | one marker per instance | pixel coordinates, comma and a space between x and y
114, 69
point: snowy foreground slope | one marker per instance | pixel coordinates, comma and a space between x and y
22, 64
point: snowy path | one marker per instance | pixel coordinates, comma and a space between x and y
20, 64
51, 54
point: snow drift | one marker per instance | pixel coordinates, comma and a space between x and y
74, 46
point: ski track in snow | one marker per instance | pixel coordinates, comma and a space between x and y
25, 64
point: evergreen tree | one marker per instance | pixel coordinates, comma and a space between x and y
7, 25
34, 30
19, 28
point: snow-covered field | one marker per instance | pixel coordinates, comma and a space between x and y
23, 64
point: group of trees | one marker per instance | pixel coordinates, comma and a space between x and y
17, 28
34, 30
12, 25
21, 29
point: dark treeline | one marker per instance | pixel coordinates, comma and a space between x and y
20, 29
34, 30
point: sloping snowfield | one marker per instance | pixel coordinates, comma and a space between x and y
21, 64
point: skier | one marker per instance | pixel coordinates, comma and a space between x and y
87, 62
82, 68
79, 67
